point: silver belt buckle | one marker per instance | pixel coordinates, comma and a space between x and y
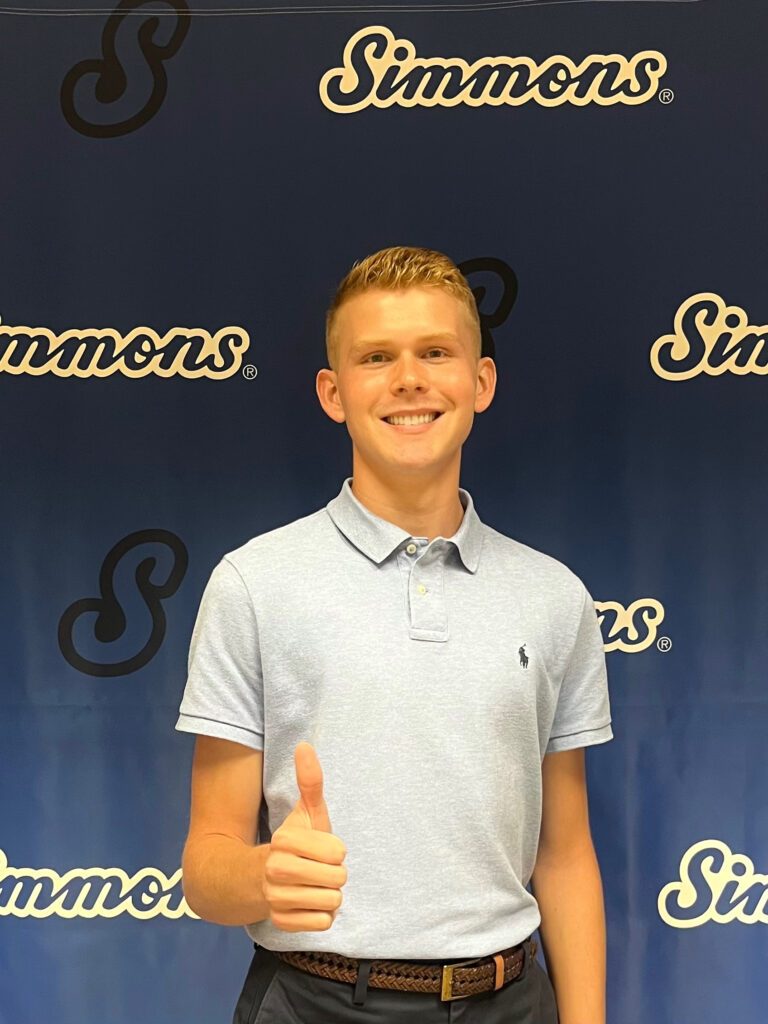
446, 991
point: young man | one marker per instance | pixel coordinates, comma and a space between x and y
445, 677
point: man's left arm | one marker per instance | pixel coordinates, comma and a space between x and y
567, 886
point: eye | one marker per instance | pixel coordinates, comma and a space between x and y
436, 352
374, 357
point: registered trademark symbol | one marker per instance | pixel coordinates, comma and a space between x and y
666, 95
249, 371
664, 644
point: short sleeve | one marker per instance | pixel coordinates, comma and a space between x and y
224, 694
583, 714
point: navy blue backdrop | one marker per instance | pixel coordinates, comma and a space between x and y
179, 197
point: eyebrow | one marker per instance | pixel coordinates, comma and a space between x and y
424, 338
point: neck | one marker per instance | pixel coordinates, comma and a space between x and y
424, 505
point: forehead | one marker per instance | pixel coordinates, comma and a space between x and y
381, 314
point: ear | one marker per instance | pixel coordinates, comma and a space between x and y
486, 383
327, 390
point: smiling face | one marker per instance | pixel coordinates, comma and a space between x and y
408, 380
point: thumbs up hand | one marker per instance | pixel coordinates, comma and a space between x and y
303, 873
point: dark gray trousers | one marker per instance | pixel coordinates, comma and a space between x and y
277, 993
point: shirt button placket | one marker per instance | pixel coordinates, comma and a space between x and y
427, 606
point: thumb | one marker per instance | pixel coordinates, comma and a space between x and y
309, 776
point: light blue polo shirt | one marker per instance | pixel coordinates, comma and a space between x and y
431, 679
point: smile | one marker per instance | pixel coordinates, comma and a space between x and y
411, 421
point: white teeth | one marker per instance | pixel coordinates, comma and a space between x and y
411, 421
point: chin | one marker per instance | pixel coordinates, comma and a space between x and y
418, 465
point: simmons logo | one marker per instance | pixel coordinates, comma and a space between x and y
110, 622
100, 352
90, 892
620, 624
710, 337
715, 885
110, 80
379, 70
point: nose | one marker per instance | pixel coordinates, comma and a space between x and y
408, 374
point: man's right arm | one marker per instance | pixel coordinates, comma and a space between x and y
295, 880
222, 869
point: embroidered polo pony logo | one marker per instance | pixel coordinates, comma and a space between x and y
523, 657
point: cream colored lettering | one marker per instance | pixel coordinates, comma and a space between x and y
714, 885
381, 71
710, 337
623, 634
90, 892
100, 352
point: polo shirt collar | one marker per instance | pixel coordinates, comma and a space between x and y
377, 538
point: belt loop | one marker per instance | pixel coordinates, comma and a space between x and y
499, 960
531, 949
361, 985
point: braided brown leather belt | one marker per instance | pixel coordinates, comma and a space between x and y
452, 981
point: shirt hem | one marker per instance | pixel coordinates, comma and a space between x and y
220, 730
583, 738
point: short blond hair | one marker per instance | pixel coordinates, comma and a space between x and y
401, 266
